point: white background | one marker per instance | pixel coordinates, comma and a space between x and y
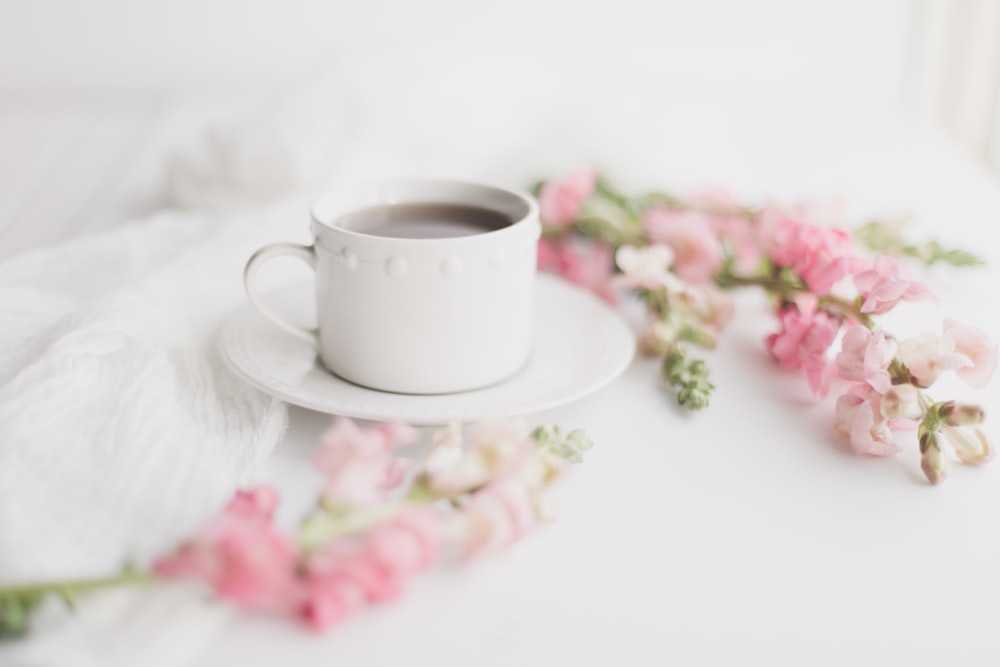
740, 536
423, 86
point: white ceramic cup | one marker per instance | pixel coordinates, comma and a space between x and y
417, 316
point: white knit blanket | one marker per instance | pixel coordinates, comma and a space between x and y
116, 413
120, 428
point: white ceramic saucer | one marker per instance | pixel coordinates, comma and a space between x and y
580, 346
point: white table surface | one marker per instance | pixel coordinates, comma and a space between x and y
744, 534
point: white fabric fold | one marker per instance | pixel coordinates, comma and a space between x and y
121, 429
119, 424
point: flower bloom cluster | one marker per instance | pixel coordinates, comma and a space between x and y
674, 254
591, 267
886, 378
887, 394
802, 342
381, 517
561, 202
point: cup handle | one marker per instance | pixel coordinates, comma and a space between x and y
307, 254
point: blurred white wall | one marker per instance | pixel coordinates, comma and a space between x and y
954, 71
495, 89
847, 53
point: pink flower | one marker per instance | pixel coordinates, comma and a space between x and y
560, 201
865, 357
927, 356
647, 267
593, 270
496, 516
713, 305
408, 543
740, 233
975, 346
550, 256
805, 336
358, 463
397, 434
697, 251
857, 416
591, 267
822, 257
396, 472
368, 568
886, 284
256, 503
240, 554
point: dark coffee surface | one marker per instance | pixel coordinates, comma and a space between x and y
424, 221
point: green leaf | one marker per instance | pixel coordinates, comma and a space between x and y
693, 334
885, 237
569, 446
689, 376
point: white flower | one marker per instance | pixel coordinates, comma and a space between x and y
445, 449
494, 449
977, 348
929, 355
647, 267
902, 402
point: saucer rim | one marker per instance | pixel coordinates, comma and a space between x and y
232, 342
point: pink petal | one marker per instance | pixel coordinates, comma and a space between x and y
398, 433
867, 438
818, 373
396, 471
843, 415
979, 375
883, 298
919, 292
323, 612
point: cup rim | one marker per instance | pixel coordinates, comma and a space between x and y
342, 194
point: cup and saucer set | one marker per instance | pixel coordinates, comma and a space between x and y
429, 310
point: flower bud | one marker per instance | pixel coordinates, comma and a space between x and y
655, 340
931, 461
961, 414
970, 444
902, 401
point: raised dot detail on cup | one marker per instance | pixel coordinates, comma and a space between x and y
350, 258
451, 267
396, 267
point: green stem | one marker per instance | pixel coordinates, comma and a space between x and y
69, 588
769, 283
321, 529
776, 285
849, 308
